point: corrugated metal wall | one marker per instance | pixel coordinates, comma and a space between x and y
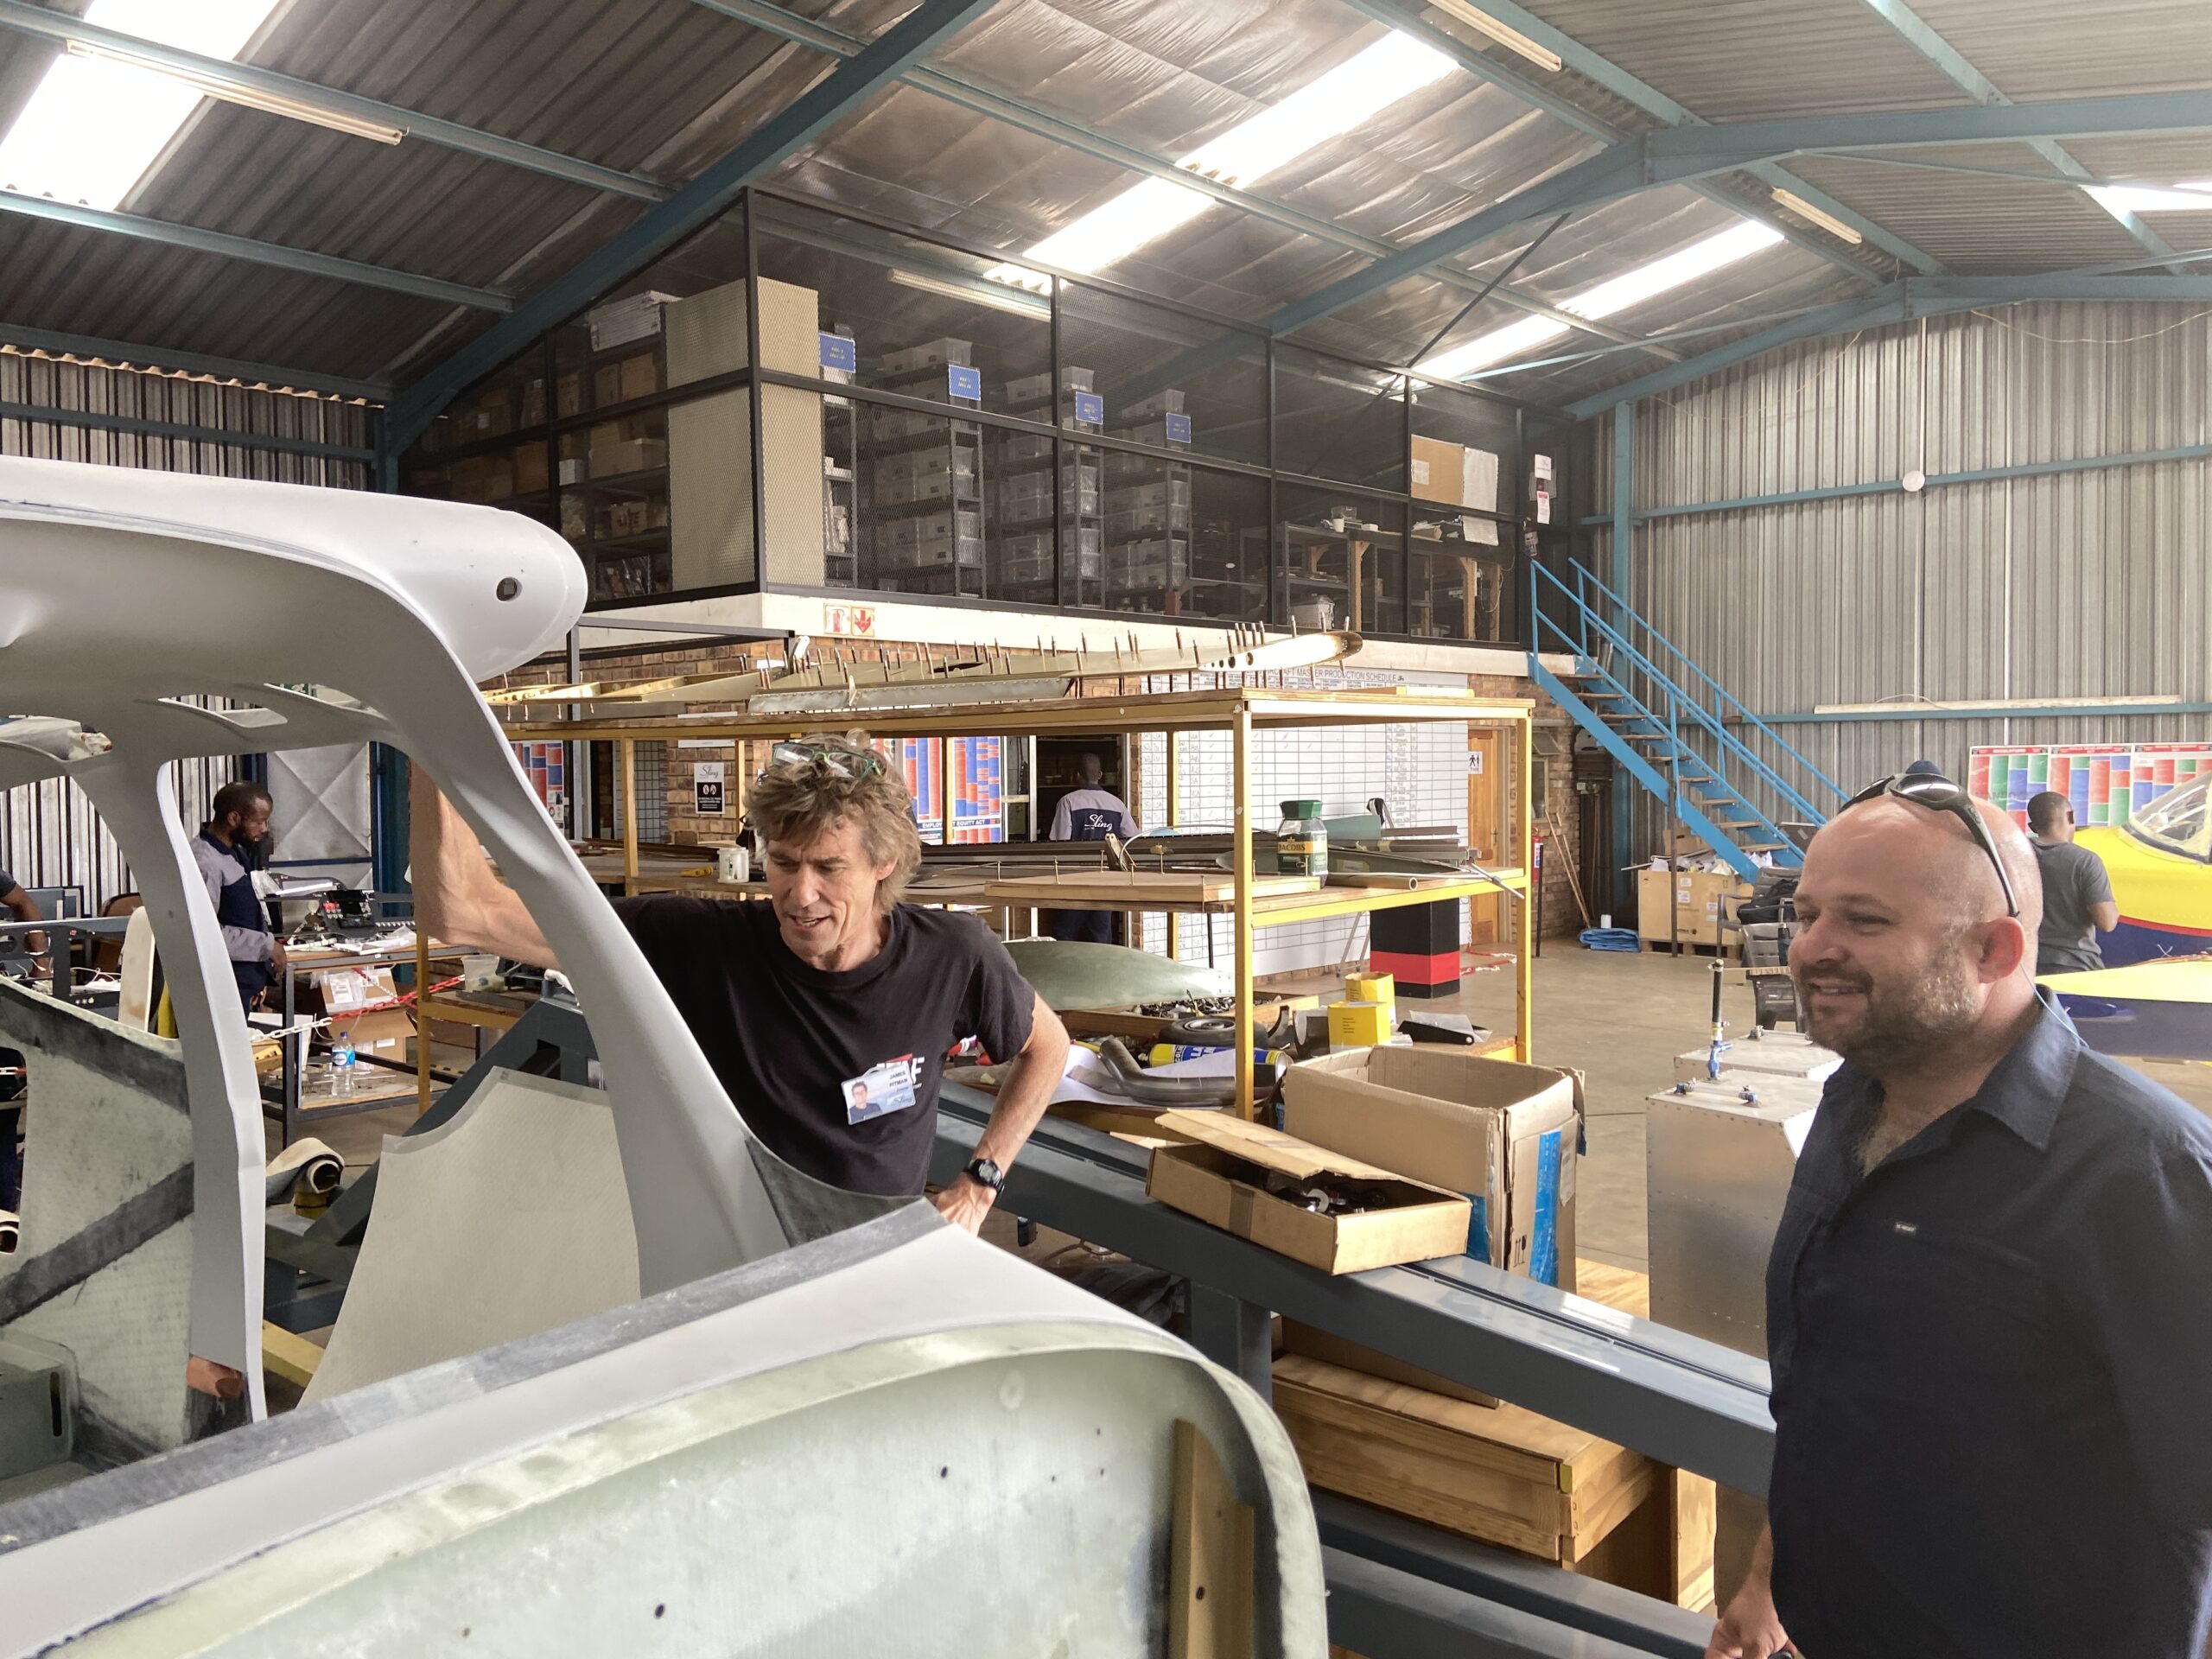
50, 835
46, 383
2079, 585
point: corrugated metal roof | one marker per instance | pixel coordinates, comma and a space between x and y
1753, 59
663, 86
1977, 224
2055, 49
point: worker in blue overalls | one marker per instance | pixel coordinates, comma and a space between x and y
1089, 813
238, 819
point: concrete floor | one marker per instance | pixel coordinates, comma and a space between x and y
1620, 1019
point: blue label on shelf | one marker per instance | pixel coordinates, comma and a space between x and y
1090, 407
839, 352
964, 383
1179, 429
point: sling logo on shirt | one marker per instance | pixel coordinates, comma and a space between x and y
887, 1086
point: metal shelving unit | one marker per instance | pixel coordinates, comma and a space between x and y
1049, 539
1148, 511
925, 507
1240, 710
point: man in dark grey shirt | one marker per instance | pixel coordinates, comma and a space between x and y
2076, 891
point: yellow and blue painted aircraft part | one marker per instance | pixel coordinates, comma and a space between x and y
2164, 899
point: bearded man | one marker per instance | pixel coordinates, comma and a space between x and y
1989, 1306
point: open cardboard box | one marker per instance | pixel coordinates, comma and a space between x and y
1504, 1133
1221, 1178
1133, 1121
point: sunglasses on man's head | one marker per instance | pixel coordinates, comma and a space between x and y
851, 764
1939, 794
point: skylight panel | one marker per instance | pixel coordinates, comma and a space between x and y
1629, 288
1356, 91
94, 125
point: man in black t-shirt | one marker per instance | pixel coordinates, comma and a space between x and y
826, 1012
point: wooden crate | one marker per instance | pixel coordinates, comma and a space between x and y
1665, 1547
1691, 1499
1500, 1474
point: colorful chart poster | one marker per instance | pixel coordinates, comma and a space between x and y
978, 787
2108, 783
546, 766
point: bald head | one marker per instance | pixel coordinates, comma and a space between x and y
1904, 951
1917, 851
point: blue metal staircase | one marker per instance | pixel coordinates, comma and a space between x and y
1668, 723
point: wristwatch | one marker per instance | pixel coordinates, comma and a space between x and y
984, 1173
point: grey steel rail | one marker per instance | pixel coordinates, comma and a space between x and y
1673, 1397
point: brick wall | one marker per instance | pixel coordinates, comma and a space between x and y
684, 825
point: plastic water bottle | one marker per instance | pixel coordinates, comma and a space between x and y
341, 1063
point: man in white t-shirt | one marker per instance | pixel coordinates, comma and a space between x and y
1089, 813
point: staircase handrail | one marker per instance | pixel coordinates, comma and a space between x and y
1584, 575
1676, 697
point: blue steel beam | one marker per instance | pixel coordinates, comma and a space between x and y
2058, 285
249, 78
1884, 305
260, 253
1934, 481
1965, 169
1917, 33
1654, 103
844, 89
1739, 144
2060, 288
1681, 154
126, 354
1616, 171
1918, 296
2083, 709
137, 425
974, 96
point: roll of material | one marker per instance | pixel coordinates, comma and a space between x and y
305, 1166
10, 1233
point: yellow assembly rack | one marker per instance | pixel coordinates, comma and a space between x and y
1239, 711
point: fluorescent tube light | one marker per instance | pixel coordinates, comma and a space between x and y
1353, 92
1828, 222
250, 98
2155, 198
1512, 39
1620, 293
977, 293
92, 126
